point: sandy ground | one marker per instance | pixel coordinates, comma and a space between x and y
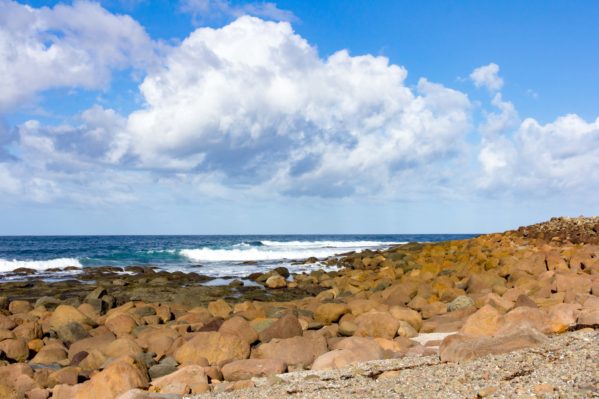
567, 366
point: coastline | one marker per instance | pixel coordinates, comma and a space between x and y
493, 294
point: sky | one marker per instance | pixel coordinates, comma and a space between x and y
296, 117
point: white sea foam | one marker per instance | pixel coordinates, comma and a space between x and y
10, 265
327, 244
278, 250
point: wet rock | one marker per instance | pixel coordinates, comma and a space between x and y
249, 368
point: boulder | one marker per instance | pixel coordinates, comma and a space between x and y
18, 307
98, 343
28, 330
286, 327
214, 347
15, 349
123, 347
6, 323
294, 351
523, 317
120, 324
50, 355
460, 347
349, 351
328, 313
118, 377
71, 332
484, 322
192, 376
65, 314
376, 324
220, 308
239, 326
408, 315
460, 302
249, 368
276, 281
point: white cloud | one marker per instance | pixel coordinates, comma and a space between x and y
254, 101
498, 122
68, 46
487, 76
204, 10
561, 157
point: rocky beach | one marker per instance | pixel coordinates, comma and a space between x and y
511, 314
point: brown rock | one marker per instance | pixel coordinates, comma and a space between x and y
484, 322
15, 349
66, 375
37, 393
50, 355
119, 377
191, 376
17, 307
123, 347
249, 368
523, 317
292, 351
286, 327
219, 308
562, 316
573, 282
461, 347
99, 342
588, 317
214, 347
376, 324
349, 351
239, 326
276, 282
406, 314
6, 323
65, 314
328, 313
28, 330
120, 324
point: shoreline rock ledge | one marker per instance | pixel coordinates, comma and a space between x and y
513, 314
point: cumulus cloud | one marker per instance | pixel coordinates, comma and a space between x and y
544, 159
205, 10
487, 76
254, 101
495, 122
66, 46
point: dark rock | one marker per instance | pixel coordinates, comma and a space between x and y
71, 332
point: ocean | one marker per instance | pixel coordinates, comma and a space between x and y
211, 255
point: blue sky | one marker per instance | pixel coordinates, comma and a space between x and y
217, 116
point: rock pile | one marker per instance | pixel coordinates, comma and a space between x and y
459, 299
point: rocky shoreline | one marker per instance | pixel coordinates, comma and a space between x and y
450, 309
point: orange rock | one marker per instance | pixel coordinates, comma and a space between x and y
484, 322
292, 351
376, 324
239, 326
328, 313
214, 347
119, 377
249, 368
192, 376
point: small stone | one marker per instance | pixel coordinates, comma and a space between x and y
543, 388
487, 391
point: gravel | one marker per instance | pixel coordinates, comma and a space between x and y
567, 366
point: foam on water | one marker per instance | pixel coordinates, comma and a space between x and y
10, 265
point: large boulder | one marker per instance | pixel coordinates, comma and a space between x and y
406, 314
292, 351
349, 351
286, 327
65, 314
249, 368
239, 326
484, 322
214, 347
328, 313
117, 378
376, 324
459, 347
192, 377
15, 349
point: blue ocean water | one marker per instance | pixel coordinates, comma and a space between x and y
211, 255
